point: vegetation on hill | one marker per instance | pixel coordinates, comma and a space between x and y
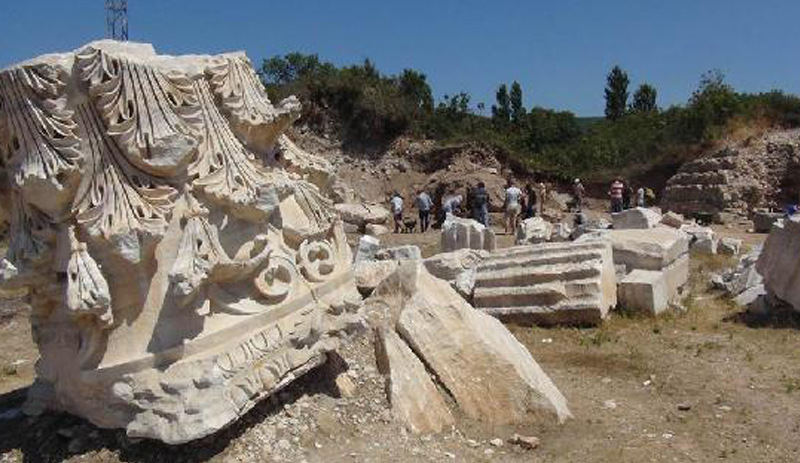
362, 105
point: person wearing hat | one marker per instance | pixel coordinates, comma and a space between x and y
578, 191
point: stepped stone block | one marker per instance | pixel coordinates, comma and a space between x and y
459, 233
779, 262
548, 284
177, 272
660, 249
636, 218
644, 290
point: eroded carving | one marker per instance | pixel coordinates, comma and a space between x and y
175, 278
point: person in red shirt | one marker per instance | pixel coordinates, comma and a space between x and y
615, 193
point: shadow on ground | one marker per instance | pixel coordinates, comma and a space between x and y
53, 437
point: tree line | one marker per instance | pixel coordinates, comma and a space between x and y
364, 106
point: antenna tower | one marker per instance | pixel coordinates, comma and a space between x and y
117, 19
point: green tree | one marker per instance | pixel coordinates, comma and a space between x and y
644, 99
616, 93
515, 97
501, 112
413, 86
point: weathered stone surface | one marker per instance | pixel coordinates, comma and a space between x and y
458, 233
561, 233
705, 245
363, 214
660, 249
457, 268
368, 247
644, 290
701, 239
547, 284
763, 220
412, 394
779, 263
757, 172
406, 252
370, 273
178, 273
729, 246
374, 229
673, 219
533, 231
742, 277
488, 373
636, 218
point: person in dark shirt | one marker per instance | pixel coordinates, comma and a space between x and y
530, 201
480, 204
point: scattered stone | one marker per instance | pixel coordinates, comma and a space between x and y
458, 233
526, 442
374, 229
363, 214
673, 219
406, 252
609, 405
684, 407
547, 284
367, 248
561, 233
779, 263
533, 231
496, 442
729, 246
764, 220
635, 218
345, 386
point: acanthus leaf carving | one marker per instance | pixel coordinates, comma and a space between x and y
243, 98
198, 254
115, 198
37, 131
226, 171
154, 116
87, 288
31, 235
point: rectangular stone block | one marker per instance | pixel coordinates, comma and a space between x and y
644, 290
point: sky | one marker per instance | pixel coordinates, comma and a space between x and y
559, 51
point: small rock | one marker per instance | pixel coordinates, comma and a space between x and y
497, 442
609, 405
488, 452
526, 442
684, 407
345, 386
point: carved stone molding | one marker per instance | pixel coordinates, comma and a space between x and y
175, 277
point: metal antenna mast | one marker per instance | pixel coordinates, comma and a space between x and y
117, 19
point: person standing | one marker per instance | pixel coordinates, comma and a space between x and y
512, 206
640, 197
616, 195
578, 191
480, 204
530, 203
424, 205
396, 204
627, 192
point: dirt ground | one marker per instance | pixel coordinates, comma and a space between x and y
712, 383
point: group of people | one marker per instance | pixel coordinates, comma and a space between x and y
622, 196
518, 204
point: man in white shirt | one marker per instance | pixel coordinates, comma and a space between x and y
424, 205
513, 207
396, 204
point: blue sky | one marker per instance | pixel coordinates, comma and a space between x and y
559, 51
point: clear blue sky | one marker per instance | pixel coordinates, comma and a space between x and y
559, 51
